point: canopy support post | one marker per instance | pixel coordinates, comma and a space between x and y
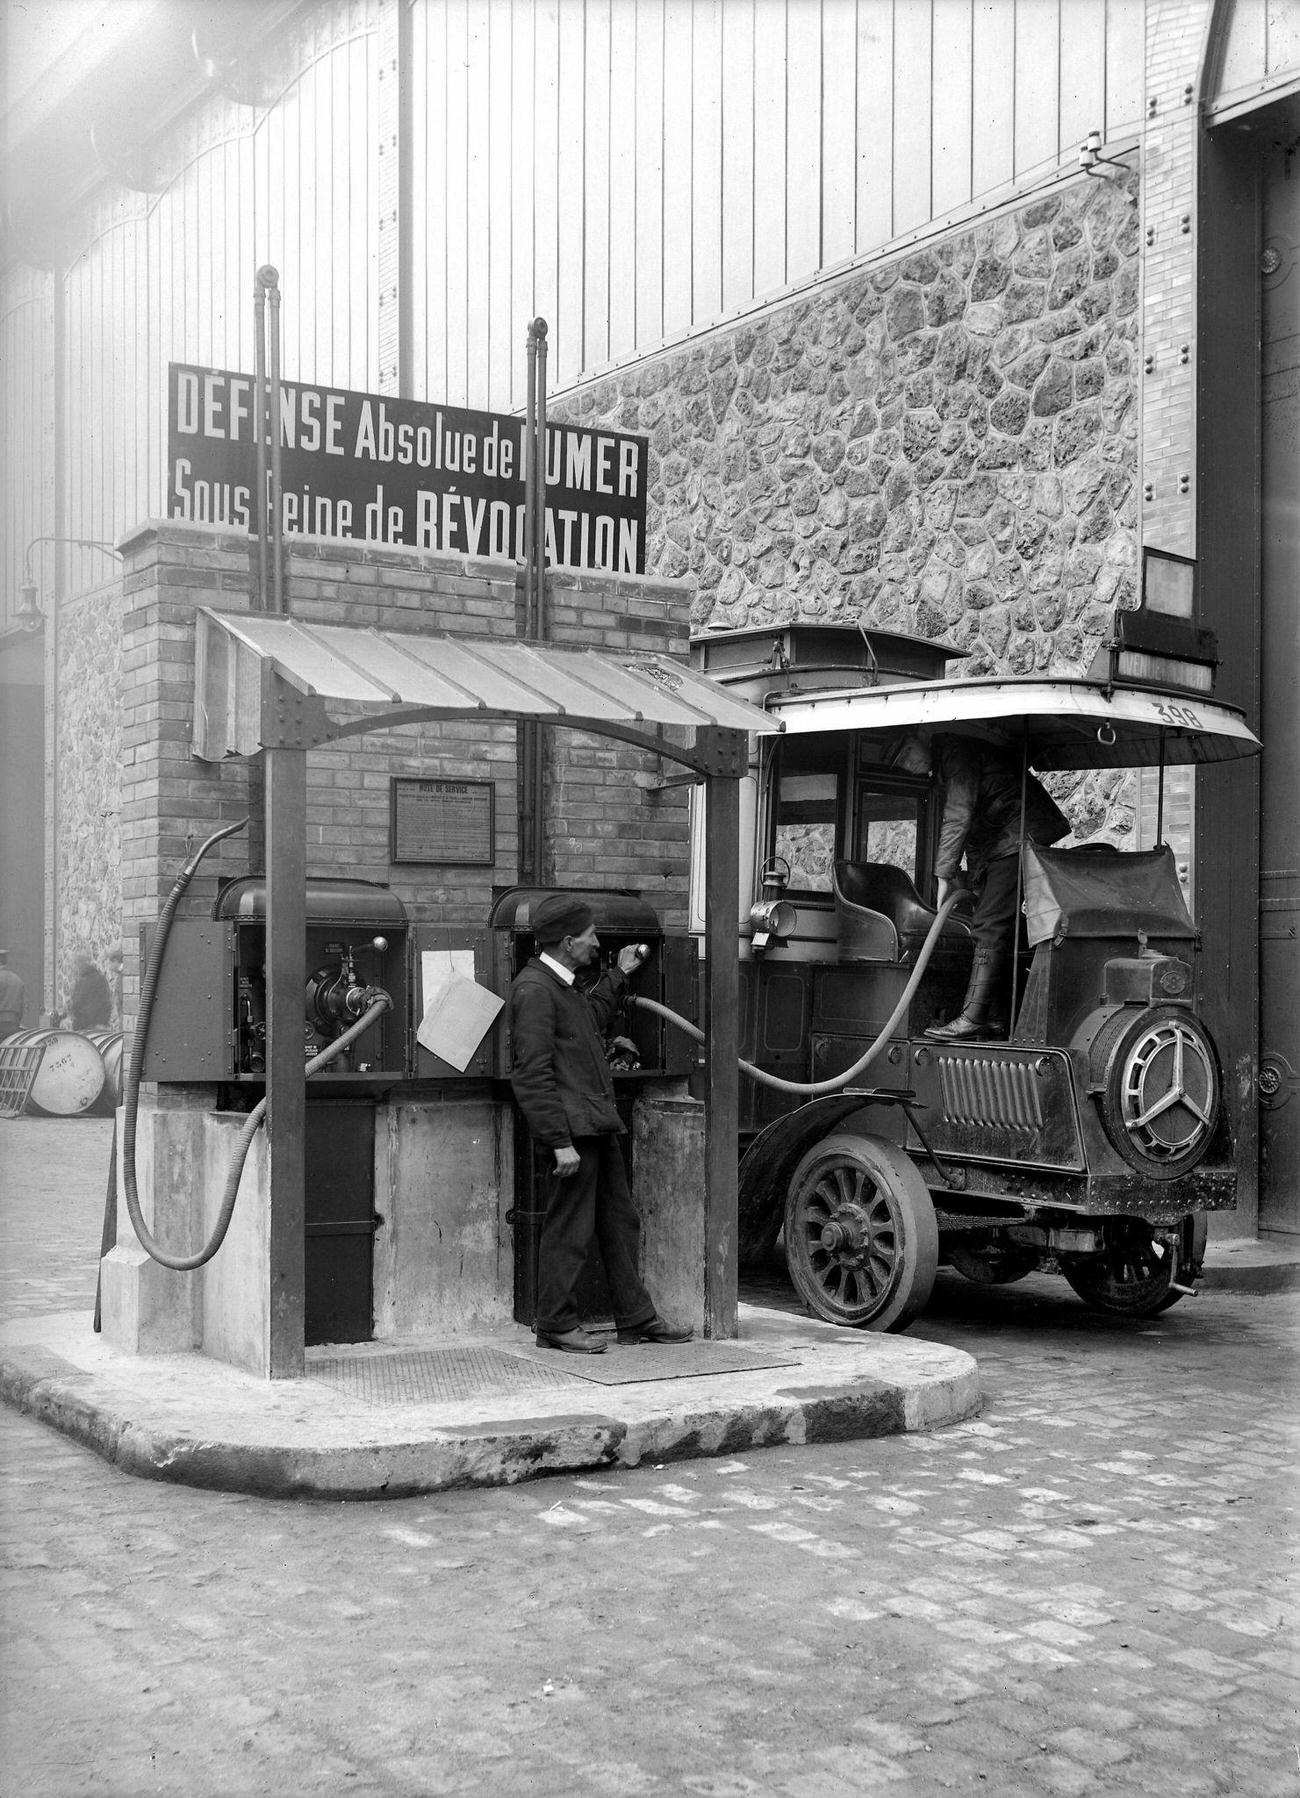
722, 1073
286, 1081
1020, 875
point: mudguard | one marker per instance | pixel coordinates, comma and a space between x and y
771, 1158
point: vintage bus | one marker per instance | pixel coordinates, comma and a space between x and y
1092, 1137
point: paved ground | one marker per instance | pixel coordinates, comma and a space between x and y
1091, 1589
426, 1414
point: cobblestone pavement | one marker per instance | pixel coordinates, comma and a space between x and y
1089, 1590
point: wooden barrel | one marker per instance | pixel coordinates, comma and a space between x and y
71, 1075
109, 1044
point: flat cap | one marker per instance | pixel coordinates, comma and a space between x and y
560, 915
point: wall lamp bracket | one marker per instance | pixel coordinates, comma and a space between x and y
30, 616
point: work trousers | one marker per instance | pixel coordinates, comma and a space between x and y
594, 1202
993, 922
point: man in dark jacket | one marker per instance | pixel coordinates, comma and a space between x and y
90, 1004
983, 787
561, 1078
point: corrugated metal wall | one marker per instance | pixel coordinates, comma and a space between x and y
27, 357
630, 169
1256, 41
635, 171
167, 275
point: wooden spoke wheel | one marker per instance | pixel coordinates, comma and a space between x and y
1137, 1274
861, 1238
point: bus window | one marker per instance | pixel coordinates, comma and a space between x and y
1178, 822
806, 812
891, 822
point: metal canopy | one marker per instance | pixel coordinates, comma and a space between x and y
1068, 723
395, 676
262, 682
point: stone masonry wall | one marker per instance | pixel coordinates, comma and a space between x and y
945, 444
87, 829
601, 831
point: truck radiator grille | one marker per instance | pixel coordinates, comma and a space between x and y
992, 1093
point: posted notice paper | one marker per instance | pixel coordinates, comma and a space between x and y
458, 1012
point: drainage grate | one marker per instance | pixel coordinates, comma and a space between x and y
647, 1364
432, 1376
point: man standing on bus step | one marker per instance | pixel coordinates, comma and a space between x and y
983, 791
561, 1078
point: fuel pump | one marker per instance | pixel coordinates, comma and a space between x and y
337, 997
339, 1008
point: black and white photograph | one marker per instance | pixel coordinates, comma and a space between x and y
649, 887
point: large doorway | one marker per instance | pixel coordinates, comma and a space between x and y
1279, 878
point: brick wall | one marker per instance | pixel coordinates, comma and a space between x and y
601, 830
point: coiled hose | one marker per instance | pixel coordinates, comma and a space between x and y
814, 1089
131, 1097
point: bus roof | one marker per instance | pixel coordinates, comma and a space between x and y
1069, 723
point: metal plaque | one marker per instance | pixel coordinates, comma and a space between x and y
447, 822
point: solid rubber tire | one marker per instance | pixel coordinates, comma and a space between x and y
901, 1198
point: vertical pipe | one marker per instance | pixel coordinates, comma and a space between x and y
528, 833
722, 1074
286, 1085
405, 201
530, 484
539, 485
50, 759
272, 279
1160, 793
540, 619
1020, 876
259, 413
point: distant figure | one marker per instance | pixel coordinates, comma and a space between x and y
90, 1004
13, 997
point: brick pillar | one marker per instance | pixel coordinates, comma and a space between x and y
170, 800
1175, 34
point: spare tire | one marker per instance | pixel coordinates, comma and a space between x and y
1158, 1089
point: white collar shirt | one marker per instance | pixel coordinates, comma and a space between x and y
556, 967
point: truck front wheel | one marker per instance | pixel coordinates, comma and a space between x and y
861, 1238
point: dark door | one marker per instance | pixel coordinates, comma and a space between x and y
340, 1203
1279, 921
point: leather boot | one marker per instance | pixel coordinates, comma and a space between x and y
976, 1020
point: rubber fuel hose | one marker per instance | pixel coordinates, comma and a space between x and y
814, 1089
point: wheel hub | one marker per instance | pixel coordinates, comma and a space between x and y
846, 1235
